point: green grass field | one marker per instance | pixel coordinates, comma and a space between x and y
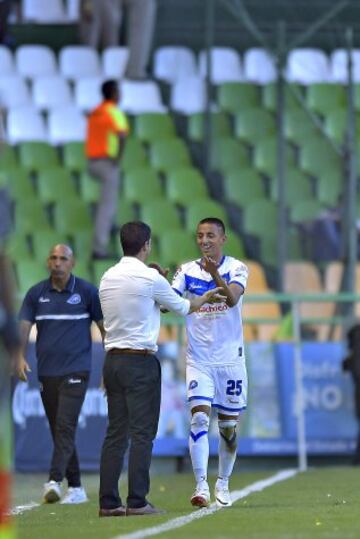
321, 503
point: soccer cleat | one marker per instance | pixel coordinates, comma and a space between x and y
222, 496
201, 496
52, 492
75, 495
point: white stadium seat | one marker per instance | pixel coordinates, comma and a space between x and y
7, 66
188, 95
258, 66
66, 124
139, 97
35, 61
43, 11
51, 92
308, 66
173, 63
25, 124
114, 62
88, 93
339, 68
14, 91
78, 61
225, 65
73, 10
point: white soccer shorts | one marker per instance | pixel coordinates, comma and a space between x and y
224, 388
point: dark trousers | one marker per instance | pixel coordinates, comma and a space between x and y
133, 387
62, 397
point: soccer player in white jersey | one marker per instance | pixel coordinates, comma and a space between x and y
215, 363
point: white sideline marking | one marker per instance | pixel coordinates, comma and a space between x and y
21, 508
200, 513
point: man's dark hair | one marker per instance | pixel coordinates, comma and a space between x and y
109, 88
213, 221
133, 237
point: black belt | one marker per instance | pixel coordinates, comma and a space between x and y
130, 351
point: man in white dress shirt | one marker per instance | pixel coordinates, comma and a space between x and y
131, 294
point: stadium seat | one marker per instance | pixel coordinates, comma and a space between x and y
138, 97
260, 216
154, 126
89, 188
7, 66
177, 247
141, 185
17, 247
81, 241
82, 269
166, 155
257, 282
258, 66
33, 61
50, 92
43, 11
336, 125
87, 93
265, 156
20, 186
188, 95
269, 97
234, 246
234, 97
339, 67
305, 211
55, 185
184, 185
308, 66
220, 126
252, 125
14, 91
299, 127
225, 65
114, 61
7, 157
173, 63
228, 154
43, 241
134, 155
37, 156
30, 216
269, 310
324, 98
29, 272
66, 124
74, 156
243, 186
298, 187
99, 268
199, 209
318, 156
71, 215
73, 10
79, 61
329, 187
125, 212
161, 215
25, 124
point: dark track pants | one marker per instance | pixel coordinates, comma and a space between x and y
133, 387
62, 397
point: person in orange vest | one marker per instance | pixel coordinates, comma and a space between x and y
107, 130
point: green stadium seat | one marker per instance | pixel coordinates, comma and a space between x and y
55, 185
74, 156
37, 156
125, 211
44, 240
243, 186
329, 187
17, 247
269, 247
234, 246
99, 267
269, 97
236, 96
89, 188
134, 155
252, 125
323, 98
220, 124
166, 155
260, 217
29, 273
70, 216
306, 210
199, 209
228, 154
141, 185
336, 125
299, 126
81, 242
30, 216
154, 126
82, 269
265, 156
19, 184
185, 185
298, 187
7, 158
176, 247
160, 215
317, 156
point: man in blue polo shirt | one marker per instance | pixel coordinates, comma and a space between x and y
62, 307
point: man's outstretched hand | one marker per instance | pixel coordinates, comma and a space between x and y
162, 271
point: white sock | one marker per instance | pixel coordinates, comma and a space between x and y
227, 449
199, 445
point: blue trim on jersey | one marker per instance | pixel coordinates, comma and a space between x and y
199, 397
200, 286
237, 282
195, 437
229, 409
177, 291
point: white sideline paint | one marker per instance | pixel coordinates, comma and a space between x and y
21, 508
236, 495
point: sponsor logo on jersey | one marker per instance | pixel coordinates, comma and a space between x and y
233, 401
193, 384
207, 309
75, 299
74, 381
44, 300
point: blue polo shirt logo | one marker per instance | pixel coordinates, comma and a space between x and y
43, 300
75, 299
